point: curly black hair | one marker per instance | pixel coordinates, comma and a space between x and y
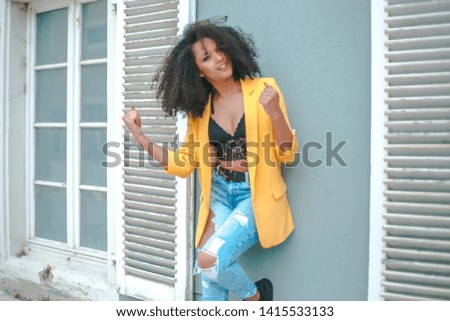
180, 87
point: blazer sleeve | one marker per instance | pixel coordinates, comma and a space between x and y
183, 161
288, 156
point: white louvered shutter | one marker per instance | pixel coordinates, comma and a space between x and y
417, 186
157, 216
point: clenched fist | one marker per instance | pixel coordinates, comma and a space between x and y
270, 100
133, 122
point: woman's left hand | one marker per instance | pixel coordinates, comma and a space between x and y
270, 100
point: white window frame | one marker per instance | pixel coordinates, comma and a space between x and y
98, 282
92, 271
73, 101
377, 152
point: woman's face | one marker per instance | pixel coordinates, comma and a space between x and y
212, 63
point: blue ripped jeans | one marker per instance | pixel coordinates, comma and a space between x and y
235, 233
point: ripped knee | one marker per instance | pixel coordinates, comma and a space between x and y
207, 263
208, 259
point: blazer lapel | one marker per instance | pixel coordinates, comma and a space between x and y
251, 128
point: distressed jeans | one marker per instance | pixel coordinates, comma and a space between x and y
235, 233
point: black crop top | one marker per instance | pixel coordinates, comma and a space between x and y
228, 147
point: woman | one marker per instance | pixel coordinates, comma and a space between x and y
238, 135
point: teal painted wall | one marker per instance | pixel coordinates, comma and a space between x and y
319, 52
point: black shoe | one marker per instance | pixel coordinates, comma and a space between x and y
265, 289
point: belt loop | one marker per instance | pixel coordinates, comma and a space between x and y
246, 177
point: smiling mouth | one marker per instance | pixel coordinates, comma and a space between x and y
223, 66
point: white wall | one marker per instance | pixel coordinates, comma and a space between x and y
15, 109
12, 127
3, 25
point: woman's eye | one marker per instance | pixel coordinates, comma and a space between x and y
205, 58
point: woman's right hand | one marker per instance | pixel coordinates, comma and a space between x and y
133, 122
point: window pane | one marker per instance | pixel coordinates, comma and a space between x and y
51, 95
93, 93
92, 171
51, 38
93, 220
51, 219
94, 30
51, 154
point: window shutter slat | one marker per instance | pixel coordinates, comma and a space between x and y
417, 151
416, 7
402, 287
407, 32
423, 78
142, 272
417, 20
152, 213
416, 255
418, 278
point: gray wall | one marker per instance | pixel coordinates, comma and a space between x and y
319, 52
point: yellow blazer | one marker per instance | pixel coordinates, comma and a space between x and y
272, 212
